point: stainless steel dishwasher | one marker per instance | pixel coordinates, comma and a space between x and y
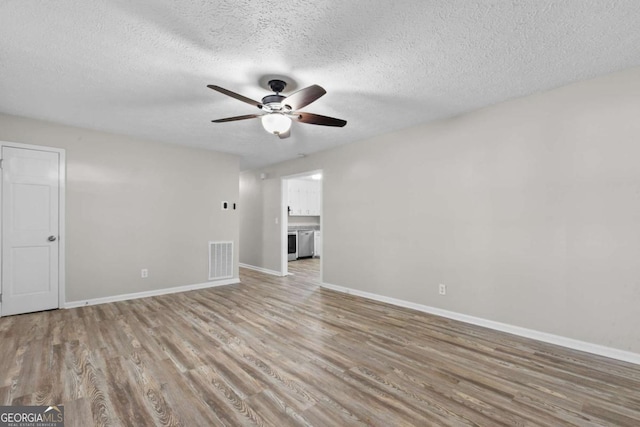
305, 243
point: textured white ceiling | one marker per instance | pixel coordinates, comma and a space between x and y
140, 67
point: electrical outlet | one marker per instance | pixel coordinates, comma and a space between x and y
144, 273
442, 289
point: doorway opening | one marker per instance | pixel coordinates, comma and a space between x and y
302, 221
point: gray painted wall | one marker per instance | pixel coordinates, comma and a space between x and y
259, 233
529, 212
135, 204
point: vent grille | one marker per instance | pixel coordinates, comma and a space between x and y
220, 260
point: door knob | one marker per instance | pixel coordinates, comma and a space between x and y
52, 238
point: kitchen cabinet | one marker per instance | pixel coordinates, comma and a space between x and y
294, 199
304, 198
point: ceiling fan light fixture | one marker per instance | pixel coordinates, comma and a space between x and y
276, 123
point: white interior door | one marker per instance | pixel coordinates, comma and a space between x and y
30, 230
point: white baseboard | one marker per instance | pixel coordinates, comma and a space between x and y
261, 270
571, 343
145, 294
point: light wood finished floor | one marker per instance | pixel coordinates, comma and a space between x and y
282, 351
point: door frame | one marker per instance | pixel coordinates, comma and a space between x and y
62, 180
284, 217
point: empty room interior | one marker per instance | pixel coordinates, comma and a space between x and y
321, 213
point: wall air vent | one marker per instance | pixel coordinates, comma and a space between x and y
220, 260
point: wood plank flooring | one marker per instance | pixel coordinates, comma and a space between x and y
283, 352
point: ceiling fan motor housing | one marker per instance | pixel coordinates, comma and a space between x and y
273, 101
269, 99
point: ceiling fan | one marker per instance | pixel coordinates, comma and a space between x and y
278, 111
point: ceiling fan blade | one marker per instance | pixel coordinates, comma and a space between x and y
233, 119
284, 135
304, 97
235, 95
317, 119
